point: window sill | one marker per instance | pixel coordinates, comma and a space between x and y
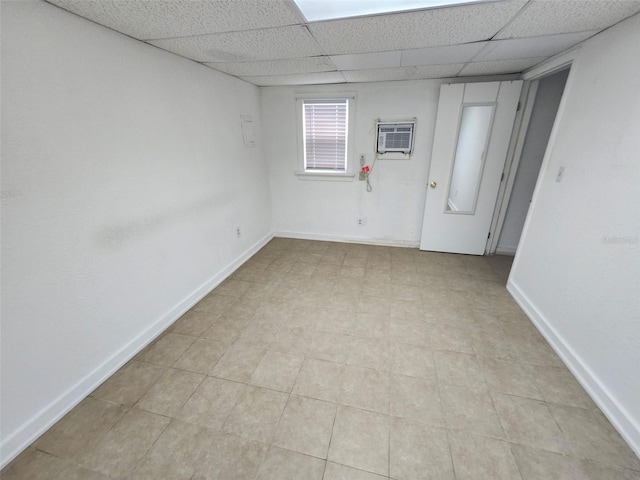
326, 176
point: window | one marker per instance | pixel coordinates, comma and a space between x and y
324, 136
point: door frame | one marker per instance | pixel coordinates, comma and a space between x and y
531, 79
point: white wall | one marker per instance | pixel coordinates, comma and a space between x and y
577, 269
542, 116
123, 176
328, 209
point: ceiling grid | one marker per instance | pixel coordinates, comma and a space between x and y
269, 42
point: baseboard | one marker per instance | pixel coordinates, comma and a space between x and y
386, 242
606, 401
506, 250
16, 442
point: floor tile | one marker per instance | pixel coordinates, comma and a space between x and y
201, 356
361, 440
535, 352
419, 451
470, 410
529, 422
511, 378
238, 363
365, 388
215, 304
535, 464
225, 329
76, 472
330, 346
413, 361
295, 340
334, 471
193, 323
493, 344
256, 414
306, 426
592, 437
319, 379
286, 465
231, 458
557, 385
128, 384
369, 353
170, 392
414, 399
166, 349
460, 369
277, 371
81, 429
211, 403
445, 337
370, 325
481, 458
33, 464
177, 454
126, 443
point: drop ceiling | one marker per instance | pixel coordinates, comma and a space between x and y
269, 42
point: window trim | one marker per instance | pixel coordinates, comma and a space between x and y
349, 173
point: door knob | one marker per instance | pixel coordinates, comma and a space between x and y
433, 184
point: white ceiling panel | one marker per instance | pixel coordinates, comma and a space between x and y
499, 66
441, 55
269, 44
531, 46
403, 73
145, 19
420, 29
276, 67
365, 61
297, 79
546, 17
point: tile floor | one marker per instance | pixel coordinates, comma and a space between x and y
341, 362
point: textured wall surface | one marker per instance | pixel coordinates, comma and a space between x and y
577, 269
124, 173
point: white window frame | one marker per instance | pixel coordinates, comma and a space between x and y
349, 173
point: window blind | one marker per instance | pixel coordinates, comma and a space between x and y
325, 134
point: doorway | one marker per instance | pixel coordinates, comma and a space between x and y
544, 110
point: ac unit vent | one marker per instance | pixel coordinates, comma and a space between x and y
395, 137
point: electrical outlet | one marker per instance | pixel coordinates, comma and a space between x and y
362, 177
361, 221
363, 159
238, 232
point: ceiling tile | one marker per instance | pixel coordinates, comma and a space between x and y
531, 46
180, 18
441, 55
403, 73
297, 79
276, 67
500, 66
267, 44
363, 61
418, 29
544, 17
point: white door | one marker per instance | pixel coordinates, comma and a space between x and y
473, 129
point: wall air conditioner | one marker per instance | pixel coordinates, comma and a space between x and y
395, 137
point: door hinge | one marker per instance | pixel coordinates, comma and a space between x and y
502, 177
489, 235
519, 106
